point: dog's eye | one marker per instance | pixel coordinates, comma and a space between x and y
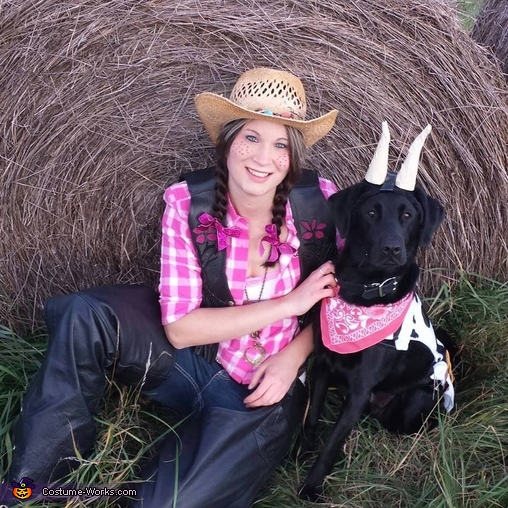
406, 215
371, 213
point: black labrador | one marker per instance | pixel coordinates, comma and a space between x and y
380, 348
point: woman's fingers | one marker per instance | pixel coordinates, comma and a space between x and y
326, 269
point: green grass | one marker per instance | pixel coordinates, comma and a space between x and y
463, 464
468, 10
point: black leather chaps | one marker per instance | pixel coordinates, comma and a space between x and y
221, 459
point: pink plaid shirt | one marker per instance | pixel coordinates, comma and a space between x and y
180, 285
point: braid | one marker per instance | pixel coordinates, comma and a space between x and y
297, 153
221, 193
226, 138
279, 209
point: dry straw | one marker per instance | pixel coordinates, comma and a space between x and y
491, 30
97, 118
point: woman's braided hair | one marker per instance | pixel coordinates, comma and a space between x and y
296, 156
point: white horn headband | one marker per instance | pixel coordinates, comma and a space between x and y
406, 177
378, 167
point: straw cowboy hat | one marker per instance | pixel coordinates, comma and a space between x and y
263, 94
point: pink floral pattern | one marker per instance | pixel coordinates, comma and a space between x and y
205, 235
313, 229
348, 328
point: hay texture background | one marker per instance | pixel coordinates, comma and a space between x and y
97, 118
491, 30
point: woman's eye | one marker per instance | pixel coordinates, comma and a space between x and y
281, 145
250, 137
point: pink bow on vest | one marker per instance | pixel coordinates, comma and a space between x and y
277, 247
207, 221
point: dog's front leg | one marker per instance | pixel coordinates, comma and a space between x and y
318, 391
312, 488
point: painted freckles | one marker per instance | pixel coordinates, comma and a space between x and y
241, 148
282, 161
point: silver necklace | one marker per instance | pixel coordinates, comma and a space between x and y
256, 353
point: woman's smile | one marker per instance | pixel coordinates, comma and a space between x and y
257, 174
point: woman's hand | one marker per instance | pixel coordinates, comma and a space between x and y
272, 379
319, 284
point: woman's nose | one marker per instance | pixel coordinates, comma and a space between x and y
263, 154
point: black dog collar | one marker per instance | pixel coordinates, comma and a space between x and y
374, 289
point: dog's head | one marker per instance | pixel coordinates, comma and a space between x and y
386, 218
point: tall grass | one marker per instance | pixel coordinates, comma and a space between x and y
469, 9
20, 359
461, 464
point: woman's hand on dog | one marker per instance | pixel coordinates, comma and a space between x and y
319, 284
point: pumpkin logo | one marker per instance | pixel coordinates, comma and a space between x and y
23, 489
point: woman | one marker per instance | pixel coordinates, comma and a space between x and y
244, 258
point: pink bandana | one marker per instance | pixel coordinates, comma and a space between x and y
348, 328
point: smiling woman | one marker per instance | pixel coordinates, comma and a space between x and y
227, 338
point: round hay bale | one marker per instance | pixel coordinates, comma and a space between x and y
490, 29
97, 118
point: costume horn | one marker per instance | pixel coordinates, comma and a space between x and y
406, 177
378, 167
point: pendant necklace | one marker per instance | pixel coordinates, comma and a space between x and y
256, 353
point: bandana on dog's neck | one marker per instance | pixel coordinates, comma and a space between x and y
348, 328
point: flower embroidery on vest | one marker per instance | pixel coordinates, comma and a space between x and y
313, 229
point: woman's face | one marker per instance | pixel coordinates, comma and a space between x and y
258, 159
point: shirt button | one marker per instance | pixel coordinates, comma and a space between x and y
231, 303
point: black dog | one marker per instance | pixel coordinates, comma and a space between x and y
390, 363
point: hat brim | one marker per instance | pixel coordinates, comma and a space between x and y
215, 111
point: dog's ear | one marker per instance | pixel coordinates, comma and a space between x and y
433, 212
341, 205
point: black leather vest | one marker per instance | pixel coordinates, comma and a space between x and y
313, 223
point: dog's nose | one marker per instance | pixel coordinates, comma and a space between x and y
391, 250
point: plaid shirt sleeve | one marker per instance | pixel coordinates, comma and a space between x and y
180, 279
327, 187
